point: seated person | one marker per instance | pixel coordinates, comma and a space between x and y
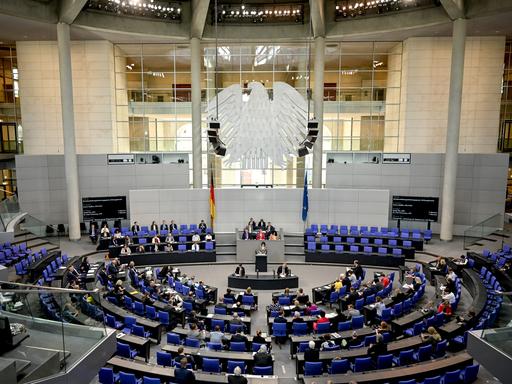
431, 337
236, 377
156, 242
260, 235
246, 235
310, 307
302, 298
236, 320
321, 319
261, 225
283, 270
429, 310
351, 312
135, 228
240, 270
202, 226
196, 333
229, 295
379, 348
195, 247
238, 337
273, 236
208, 237
258, 339
164, 226
328, 343
312, 353
462, 260
467, 319
154, 227
296, 306
196, 238
275, 306
105, 232
383, 327
141, 249
297, 318
379, 306
217, 336
451, 274
251, 225
445, 308
262, 250
262, 358
270, 229
448, 295
189, 359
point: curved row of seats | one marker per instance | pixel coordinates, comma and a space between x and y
10, 254
183, 230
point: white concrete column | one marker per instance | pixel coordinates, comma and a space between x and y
195, 68
318, 100
68, 127
453, 129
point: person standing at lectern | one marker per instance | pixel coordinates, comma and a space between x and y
283, 270
260, 235
262, 250
240, 270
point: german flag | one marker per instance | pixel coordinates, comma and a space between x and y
212, 200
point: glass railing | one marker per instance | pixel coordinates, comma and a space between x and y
45, 328
479, 231
9, 208
499, 338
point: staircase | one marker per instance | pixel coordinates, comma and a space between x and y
294, 247
225, 244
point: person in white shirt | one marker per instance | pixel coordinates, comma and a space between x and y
451, 274
155, 241
448, 295
352, 277
379, 306
208, 237
196, 238
105, 232
126, 250
195, 247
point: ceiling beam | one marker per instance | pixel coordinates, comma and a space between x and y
69, 10
28, 9
317, 15
199, 14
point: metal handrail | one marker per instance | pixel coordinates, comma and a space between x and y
42, 288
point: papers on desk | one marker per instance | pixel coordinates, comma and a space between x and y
263, 334
330, 315
119, 335
327, 286
210, 315
335, 335
134, 292
372, 306
286, 307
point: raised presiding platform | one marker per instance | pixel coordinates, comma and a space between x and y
365, 259
160, 258
263, 282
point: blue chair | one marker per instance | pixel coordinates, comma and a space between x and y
232, 364
150, 380
362, 364
359, 304
107, 376
313, 368
237, 346
218, 323
214, 346
367, 249
138, 330
354, 248
220, 311
124, 350
188, 306
372, 339
323, 328
386, 315
311, 247
263, 371
163, 358
415, 330
404, 358
150, 312
248, 300
451, 377
256, 347
440, 349
211, 365
344, 325
469, 374
338, 248
397, 310
333, 298
397, 251
361, 345
112, 322
284, 300
336, 239
182, 247
173, 338
432, 380
370, 299
138, 308
325, 248
209, 246
384, 361
192, 342
339, 366
412, 381
382, 251
128, 378
163, 318
357, 322
129, 322
299, 329
424, 353
279, 329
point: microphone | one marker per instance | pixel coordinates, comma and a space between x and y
257, 273
274, 273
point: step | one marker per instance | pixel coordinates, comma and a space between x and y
294, 254
49, 247
294, 245
21, 233
24, 238
225, 253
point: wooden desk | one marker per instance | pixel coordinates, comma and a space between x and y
393, 347
399, 325
36, 269
307, 319
227, 318
184, 333
152, 326
166, 374
417, 371
337, 337
223, 356
141, 344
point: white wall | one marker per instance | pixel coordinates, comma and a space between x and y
283, 207
42, 184
93, 95
481, 183
426, 66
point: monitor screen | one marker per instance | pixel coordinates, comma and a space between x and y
415, 208
104, 208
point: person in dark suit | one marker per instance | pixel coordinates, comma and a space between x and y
312, 353
164, 226
113, 270
132, 274
229, 294
135, 228
379, 348
270, 229
280, 318
239, 338
262, 358
258, 338
297, 318
240, 270
251, 225
202, 226
172, 225
182, 375
358, 270
236, 377
283, 270
262, 225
